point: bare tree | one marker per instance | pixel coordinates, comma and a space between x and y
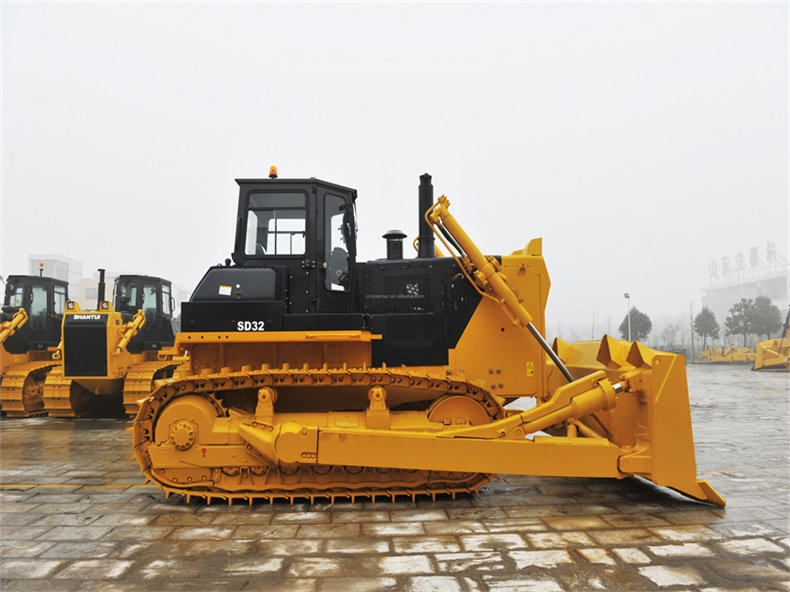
684, 331
668, 335
576, 334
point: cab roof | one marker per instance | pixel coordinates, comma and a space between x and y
298, 182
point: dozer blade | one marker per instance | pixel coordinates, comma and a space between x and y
772, 355
651, 422
63, 397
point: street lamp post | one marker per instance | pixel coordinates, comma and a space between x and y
628, 303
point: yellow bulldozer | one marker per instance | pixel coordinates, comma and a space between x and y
109, 357
32, 312
316, 376
728, 355
774, 354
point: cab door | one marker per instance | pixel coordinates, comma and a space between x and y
336, 252
275, 229
39, 308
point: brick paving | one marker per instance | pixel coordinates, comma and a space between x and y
74, 515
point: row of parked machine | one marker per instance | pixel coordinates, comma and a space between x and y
771, 354
60, 360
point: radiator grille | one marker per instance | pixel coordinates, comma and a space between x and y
85, 347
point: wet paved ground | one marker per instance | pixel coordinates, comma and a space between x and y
76, 517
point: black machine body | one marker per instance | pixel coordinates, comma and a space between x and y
295, 268
44, 300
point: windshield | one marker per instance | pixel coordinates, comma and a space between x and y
276, 224
149, 301
126, 296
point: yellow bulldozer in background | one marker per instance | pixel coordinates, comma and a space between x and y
61, 361
774, 354
312, 375
32, 313
109, 357
729, 355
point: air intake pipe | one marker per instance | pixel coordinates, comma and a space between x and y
394, 244
426, 240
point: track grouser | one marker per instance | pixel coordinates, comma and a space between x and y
313, 375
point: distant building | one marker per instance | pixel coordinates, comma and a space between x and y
58, 267
733, 278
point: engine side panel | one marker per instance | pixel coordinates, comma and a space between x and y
420, 307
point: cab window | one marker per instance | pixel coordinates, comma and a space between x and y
126, 297
276, 224
60, 300
16, 295
38, 306
166, 300
337, 278
149, 301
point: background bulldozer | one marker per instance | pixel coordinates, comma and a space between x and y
728, 355
110, 356
774, 354
315, 375
32, 314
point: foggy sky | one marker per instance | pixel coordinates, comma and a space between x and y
640, 140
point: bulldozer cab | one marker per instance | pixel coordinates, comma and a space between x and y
296, 269
153, 296
44, 300
304, 230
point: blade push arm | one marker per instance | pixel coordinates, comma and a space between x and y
130, 329
8, 328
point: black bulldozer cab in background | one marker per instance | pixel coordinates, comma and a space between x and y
153, 296
295, 269
44, 300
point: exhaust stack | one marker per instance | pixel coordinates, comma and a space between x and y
101, 289
426, 240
